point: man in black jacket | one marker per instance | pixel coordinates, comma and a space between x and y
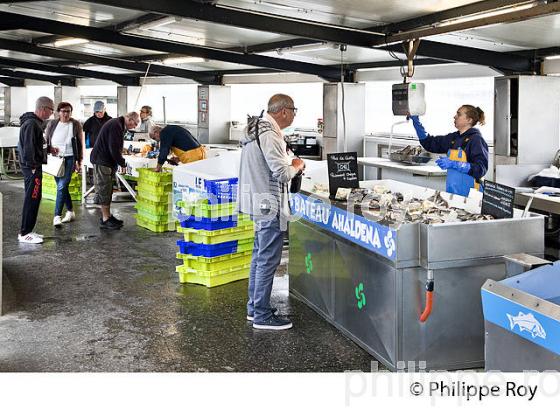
94, 123
32, 154
106, 156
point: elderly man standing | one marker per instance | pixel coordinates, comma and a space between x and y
146, 123
94, 123
106, 156
32, 154
265, 172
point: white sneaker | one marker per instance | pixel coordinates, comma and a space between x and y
69, 217
38, 235
57, 221
30, 238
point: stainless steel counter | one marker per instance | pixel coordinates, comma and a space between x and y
429, 176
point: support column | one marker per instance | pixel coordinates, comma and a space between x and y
214, 114
68, 94
126, 99
336, 136
15, 104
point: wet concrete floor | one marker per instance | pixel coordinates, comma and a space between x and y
93, 301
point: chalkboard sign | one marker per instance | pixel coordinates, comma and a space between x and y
497, 200
343, 171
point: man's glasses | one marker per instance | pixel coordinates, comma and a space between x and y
48, 108
294, 109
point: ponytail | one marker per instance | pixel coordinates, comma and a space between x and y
475, 114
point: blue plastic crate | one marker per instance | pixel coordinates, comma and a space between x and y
209, 251
212, 224
221, 190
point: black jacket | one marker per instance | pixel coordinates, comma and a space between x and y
31, 146
93, 125
107, 150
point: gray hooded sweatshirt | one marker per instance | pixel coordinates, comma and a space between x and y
264, 172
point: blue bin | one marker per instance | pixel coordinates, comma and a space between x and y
208, 251
209, 224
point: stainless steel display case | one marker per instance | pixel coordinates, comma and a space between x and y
331, 274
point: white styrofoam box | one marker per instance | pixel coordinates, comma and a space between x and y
139, 162
190, 181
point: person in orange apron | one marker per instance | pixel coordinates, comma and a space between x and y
466, 159
179, 141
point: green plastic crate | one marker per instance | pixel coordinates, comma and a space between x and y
156, 189
148, 174
205, 210
215, 280
153, 226
158, 219
243, 231
153, 208
161, 199
217, 263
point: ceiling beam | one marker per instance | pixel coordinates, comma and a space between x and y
504, 62
249, 19
110, 37
40, 77
12, 82
506, 17
315, 31
123, 26
76, 72
77, 58
456, 12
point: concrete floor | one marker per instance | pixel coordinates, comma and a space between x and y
93, 301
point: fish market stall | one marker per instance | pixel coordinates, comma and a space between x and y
399, 270
522, 321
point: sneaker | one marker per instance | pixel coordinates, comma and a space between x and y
30, 238
273, 323
115, 220
108, 224
69, 217
38, 235
250, 317
57, 221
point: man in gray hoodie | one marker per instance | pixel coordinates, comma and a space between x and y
265, 172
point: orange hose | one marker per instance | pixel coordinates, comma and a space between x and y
428, 309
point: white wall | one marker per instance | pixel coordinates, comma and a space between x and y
36, 91
253, 98
443, 97
180, 102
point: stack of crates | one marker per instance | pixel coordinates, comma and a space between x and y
218, 243
154, 202
75, 187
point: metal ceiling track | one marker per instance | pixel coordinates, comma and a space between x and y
40, 77
111, 37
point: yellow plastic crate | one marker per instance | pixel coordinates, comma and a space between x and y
243, 231
155, 188
155, 208
149, 175
200, 263
204, 210
158, 227
217, 280
166, 198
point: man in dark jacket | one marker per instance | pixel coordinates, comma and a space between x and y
181, 142
94, 123
106, 156
32, 154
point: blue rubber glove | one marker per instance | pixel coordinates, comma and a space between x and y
420, 131
446, 163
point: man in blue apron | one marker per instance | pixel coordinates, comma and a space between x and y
466, 159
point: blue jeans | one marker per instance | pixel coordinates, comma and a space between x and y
62, 194
267, 253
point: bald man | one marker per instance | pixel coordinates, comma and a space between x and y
265, 172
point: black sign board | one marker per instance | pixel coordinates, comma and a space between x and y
497, 200
343, 171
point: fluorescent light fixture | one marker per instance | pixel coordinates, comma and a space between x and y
487, 14
164, 21
557, 57
308, 48
70, 42
183, 60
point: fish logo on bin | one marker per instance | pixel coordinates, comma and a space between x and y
308, 263
528, 323
360, 295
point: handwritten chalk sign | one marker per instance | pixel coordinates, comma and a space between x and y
497, 200
343, 171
